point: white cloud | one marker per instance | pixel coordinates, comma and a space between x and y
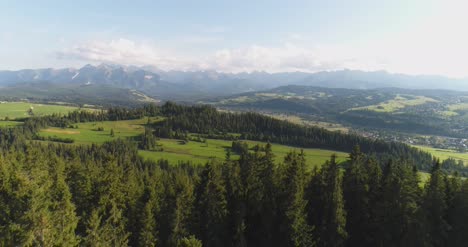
261, 58
437, 45
124, 51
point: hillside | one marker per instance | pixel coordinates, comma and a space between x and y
82, 94
426, 112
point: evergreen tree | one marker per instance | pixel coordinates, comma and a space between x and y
257, 174
330, 215
458, 235
295, 229
189, 242
435, 208
356, 193
396, 213
148, 234
177, 208
235, 203
63, 210
106, 232
212, 207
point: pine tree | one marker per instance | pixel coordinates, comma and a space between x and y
435, 208
212, 207
109, 231
15, 196
458, 236
94, 231
396, 213
235, 204
189, 242
296, 232
179, 207
63, 210
356, 193
257, 176
147, 236
328, 208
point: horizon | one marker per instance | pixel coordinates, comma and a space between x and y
156, 70
416, 38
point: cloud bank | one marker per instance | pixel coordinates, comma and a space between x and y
288, 57
438, 46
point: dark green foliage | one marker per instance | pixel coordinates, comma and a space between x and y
396, 219
148, 140
327, 212
435, 207
189, 242
458, 214
211, 208
294, 229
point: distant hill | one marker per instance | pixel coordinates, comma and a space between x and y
194, 85
436, 112
104, 95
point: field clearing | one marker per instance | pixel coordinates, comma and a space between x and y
88, 133
399, 102
174, 150
198, 152
458, 107
444, 154
14, 110
298, 120
448, 113
9, 123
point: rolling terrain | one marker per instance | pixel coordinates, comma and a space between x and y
430, 112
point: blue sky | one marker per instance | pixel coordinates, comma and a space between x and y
407, 36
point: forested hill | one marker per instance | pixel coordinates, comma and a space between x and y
253, 126
424, 112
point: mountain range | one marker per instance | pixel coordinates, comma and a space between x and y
193, 85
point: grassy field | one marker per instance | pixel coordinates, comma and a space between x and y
444, 154
173, 150
88, 133
4, 123
198, 152
399, 102
14, 110
298, 120
458, 107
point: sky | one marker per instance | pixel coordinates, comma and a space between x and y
400, 36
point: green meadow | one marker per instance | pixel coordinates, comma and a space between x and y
173, 150
444, 154
14, 110
4, 123
399, 102
197, 152
87, 133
